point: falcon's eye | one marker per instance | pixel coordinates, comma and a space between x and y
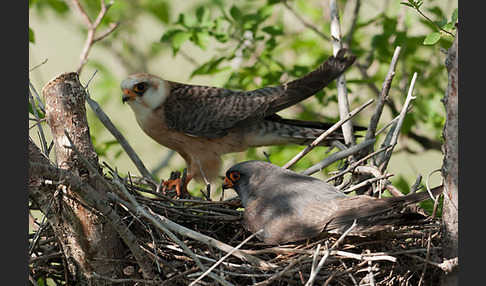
234, 176
140, 87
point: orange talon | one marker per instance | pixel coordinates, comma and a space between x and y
180, 190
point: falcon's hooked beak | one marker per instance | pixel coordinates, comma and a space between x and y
227, 184
128, 95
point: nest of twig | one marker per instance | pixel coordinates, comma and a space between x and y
399, 256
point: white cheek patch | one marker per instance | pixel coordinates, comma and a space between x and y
153, 98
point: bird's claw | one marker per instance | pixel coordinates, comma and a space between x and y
180, 184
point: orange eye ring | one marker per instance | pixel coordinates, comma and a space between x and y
234, 176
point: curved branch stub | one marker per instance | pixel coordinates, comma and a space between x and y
64, 98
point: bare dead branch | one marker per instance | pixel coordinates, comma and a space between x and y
338, 156
383, 161
92, 27
383, 97
325, 134
342, 91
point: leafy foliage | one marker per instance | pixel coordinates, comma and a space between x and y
259, 43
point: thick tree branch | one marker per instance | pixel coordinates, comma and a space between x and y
450, 164
85, 236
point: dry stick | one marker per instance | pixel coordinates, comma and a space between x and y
366, 182
92, 27
38, 65
342, 92
224, 257
325, 134
385, 89
337, 156
314, 258
396, 131
427, 186
335, 274
118, 136
357, 163
349, 36
39, 101
370, 272
427, 256
281, 273
314, 272
447, 266
39, 126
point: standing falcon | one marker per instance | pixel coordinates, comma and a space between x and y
202, 123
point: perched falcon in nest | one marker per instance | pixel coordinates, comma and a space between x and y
202, 123
289, 206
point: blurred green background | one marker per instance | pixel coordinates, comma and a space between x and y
250, 44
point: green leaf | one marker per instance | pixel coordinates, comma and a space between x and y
201, 39
210, 67
58, 5
449, 26
159, 9
432, 38
407, 4
202, 14
454, 16
178, 39
273, 30
187, 22
31, 36
235, 13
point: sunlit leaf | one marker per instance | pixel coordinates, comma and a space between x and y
432, 38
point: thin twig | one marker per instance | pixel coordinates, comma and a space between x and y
357, 163
433, 22
325, 134
428, 186
328, 251
349, 36
103, 117
92, 27
366, 182
342, 91
337, 156
38, 65
427, 256
385, 89
39, 125
383, 162
39, 101
224, 257
305, 22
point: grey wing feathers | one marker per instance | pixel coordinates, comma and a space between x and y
210, 111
